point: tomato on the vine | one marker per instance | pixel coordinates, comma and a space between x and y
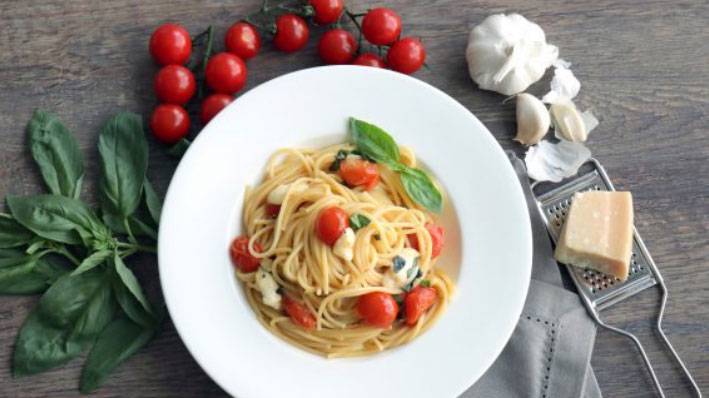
213, 105
381, 26
327, 11
291, 33
369, 59
337, 46
225, 73
170, 44
174, 84
406, 55
242, 39
169, 123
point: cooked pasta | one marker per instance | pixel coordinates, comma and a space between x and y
306, 286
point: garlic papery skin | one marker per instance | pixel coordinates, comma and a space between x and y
568, 122
532, 119
507, 53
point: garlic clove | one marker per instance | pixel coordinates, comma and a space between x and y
532, 119
568, 122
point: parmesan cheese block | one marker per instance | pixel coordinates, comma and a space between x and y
598, 233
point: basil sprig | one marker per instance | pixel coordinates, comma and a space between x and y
359, 221
57, 245
377, 144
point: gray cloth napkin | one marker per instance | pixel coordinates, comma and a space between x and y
549, 353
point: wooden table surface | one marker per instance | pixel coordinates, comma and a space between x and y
644, 68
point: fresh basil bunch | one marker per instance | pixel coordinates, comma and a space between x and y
57, 245
377, 144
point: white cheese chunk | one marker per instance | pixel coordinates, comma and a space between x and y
405, 266
269, 288
279, 193
344, 246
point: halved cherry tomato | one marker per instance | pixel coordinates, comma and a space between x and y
242, 257
169, 123
337, 46
213, 105
299, 313
406, 55
225, 73
368, 59
417, 301
381, 26
331, 223
242, 39
170, 44
327, 11
291, 33
174, 84
377, 309
359, 172
272, 210
437, 239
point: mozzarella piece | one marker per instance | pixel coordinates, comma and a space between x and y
598, 233
269, 289
405, 266
344, 246
279, 193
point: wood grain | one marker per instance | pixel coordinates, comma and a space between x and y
643, 66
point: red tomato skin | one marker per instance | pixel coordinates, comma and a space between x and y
417, 301
272, 210
241, 256
359, 172
381, 26
406, 55
330, 224
243, 40
170, 44
438, 235
327, 11
212, 105
291, 33
377, 309
225, 73
174, 84
337, 46
299, 313
169, 123
369, 59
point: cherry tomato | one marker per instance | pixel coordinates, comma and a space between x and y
170, 44
174, 84
299, 313
331, 223
369, 59
327, 11
337, 46
243, 40
377, 309
225, 73
359, 172
406, 55
241, 257
272, 210
169, 123
213, 105
437, 239
291, 33
417, 301
381, 26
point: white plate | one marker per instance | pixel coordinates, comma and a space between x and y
489, 247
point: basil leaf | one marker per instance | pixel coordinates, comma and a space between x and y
339, 157
130, 305
374, 142
121, 339
124, 161
131, 282
421, 190
12, 233
92, 261
18, 276
58, 218
179, 149
152, 201
139, 228
425, 283
358, 221
57, 154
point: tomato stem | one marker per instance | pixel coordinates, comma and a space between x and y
353, 18
205, 59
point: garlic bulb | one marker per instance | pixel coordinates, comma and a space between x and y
568, 122
532, 119
507, 53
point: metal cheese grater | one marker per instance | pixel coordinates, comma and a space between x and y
599, 291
